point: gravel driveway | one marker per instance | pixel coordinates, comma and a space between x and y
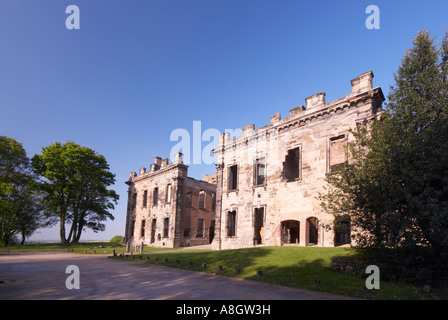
42, 276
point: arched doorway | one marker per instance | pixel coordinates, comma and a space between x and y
312, 230
290, 231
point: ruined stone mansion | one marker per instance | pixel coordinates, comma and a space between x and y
166, 208
265, 187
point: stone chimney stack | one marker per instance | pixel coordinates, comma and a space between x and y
315, 102
275, 118
362, 83
296, 110
248, 130
158, 161
179, 158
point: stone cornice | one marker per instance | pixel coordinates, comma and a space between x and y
337, 106
151, 174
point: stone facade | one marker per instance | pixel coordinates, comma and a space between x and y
268, 179
166, 208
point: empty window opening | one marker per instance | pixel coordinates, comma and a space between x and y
155, 196
168, 193
201, 199
231, 223
145, 197
213, 201
132, 228
258, 225
142, 229
153, 230
200, 228
291, 166
338, 152
134, 200
290, 231
312, 229
260, 171
166, 224
233, 177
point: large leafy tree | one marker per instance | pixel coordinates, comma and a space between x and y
75, 183
395, 191
21, 212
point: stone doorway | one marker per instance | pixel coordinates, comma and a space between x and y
212, 231
290, 231
258, 225
312, 230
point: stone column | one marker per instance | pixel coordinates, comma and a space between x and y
303, 233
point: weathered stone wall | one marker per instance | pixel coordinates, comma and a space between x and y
288, 198
160, 218
193, 211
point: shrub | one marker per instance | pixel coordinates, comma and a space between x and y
116, 239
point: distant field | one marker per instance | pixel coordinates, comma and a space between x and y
81, 247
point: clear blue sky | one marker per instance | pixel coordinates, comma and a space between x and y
136, 70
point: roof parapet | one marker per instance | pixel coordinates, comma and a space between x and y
360, 84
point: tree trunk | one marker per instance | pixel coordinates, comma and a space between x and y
62, 229
73, 230
23, 238
80, 225
78, 235
70, 234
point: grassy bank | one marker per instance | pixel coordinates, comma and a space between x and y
304, 265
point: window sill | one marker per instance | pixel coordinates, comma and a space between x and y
295, 180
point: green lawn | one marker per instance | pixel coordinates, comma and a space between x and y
81, 247
303, 264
